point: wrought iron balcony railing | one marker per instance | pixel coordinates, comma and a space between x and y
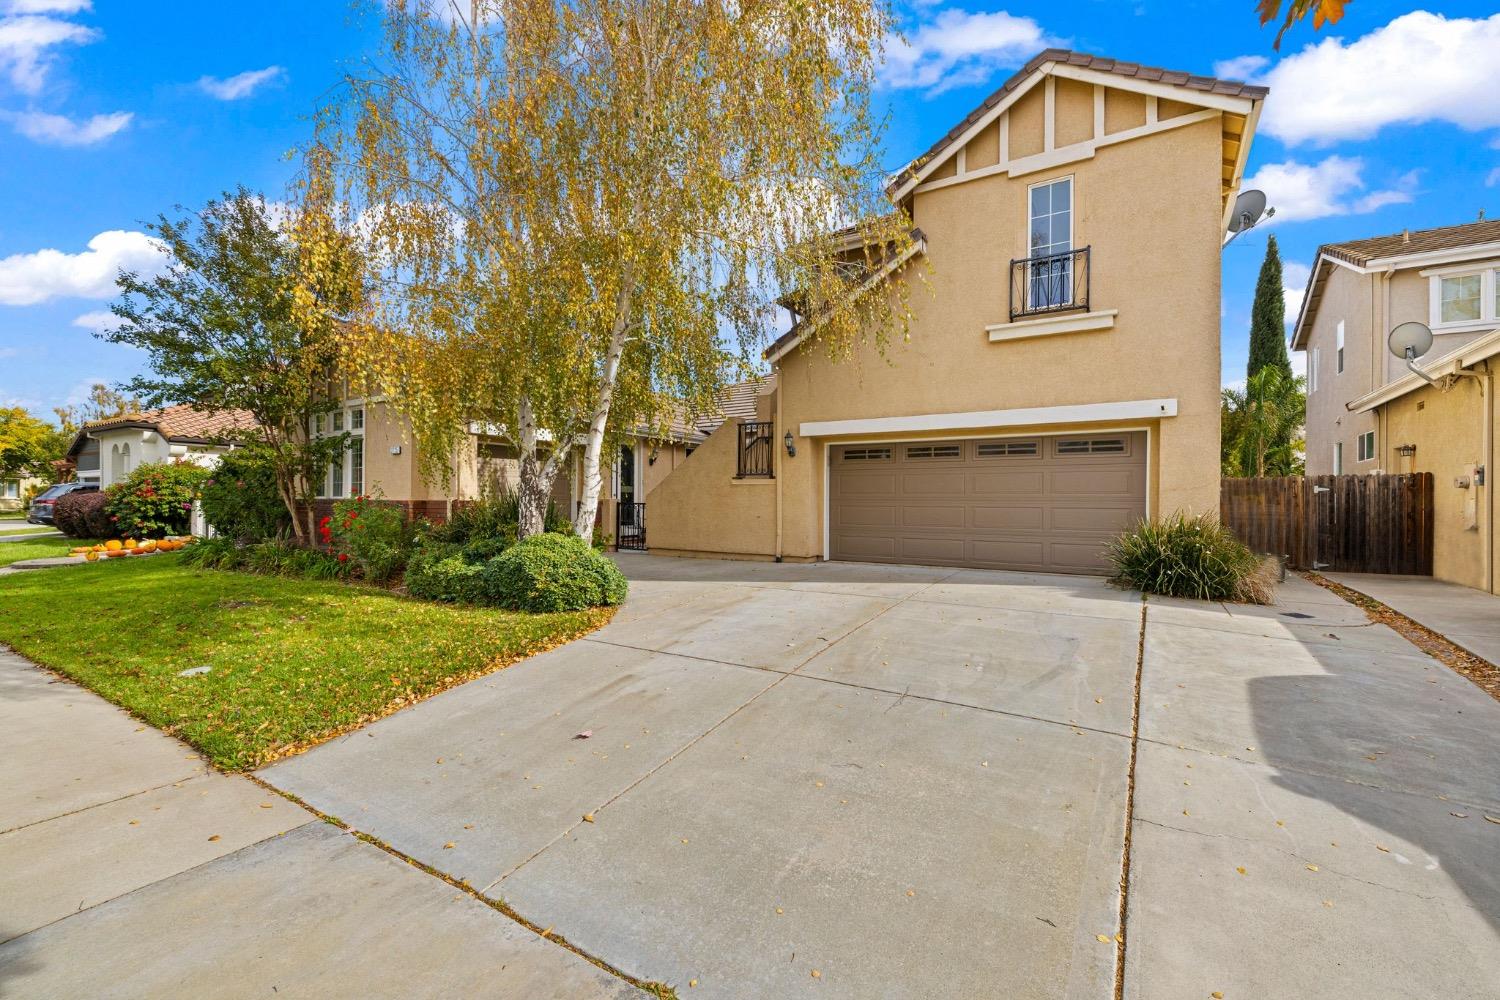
1050, 283
756, 449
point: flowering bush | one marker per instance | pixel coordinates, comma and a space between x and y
371, 537
155, 500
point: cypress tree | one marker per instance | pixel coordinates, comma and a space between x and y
1268, 316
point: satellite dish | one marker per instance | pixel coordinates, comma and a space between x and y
1248, 208
1410, 341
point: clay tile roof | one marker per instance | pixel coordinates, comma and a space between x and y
1207, 84
182, 423
1361, 252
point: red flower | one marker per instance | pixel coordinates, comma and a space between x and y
324, 523
343, 557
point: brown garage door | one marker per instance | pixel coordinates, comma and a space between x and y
1041, 503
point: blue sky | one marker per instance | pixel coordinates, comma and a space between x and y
113, 112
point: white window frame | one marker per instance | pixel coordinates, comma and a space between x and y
340, 421
1313, 357
1338, 343
10, 489
1338, 458
1489, 297
1031, 251
1365, 452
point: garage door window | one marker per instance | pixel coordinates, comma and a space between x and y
867, 454
933, 451
1006, 449
1091, 446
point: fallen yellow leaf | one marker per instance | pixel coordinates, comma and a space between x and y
449, 845
1241, 870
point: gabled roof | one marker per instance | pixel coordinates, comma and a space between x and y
1482, 236
1136, 71
180, 423
1362, 252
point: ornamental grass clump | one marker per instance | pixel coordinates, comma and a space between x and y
1188, 556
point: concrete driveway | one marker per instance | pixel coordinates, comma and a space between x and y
860, 781
866, 781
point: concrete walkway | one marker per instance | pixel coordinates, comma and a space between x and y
846, 781
128, 868
1467, 617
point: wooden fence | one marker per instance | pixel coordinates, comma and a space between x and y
1352, 524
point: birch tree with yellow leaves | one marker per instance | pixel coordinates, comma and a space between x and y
583, 215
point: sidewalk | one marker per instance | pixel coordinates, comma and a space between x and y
1466, 617
130, 868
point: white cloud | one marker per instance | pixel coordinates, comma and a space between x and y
1493, 178
60, 130
1421, 67
99, 321
1294, 277
241, 84
1240, 67
26, 44
958, 48
29, 278
48, 6
1333, 186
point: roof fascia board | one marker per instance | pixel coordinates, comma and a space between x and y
1151, 88
969, 133
1477, 251
1452, 363
917, 246
1136, 409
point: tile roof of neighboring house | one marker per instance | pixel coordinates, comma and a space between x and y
1361, 252
1155, 74
181, 423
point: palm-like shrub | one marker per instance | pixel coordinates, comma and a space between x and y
1187, 556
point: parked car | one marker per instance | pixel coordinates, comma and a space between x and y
44, 503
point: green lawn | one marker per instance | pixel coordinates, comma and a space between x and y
294, 662
37, 548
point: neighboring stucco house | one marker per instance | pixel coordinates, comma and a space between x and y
1061, 380
1366, 412
14, 491
106, 451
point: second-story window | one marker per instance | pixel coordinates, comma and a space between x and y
1460, 298
1051, 280
1338, 343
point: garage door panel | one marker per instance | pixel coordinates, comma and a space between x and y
989, 517
945, 516
992, 503
864, 516
999, 553
929, 482
1029, 482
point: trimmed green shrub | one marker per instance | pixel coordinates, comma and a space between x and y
553, 572
374, 537
486, 549
240, 499
439, 572
83, 515
1187, 556
494, 516
155, 500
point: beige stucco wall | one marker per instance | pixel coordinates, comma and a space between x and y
1149, 208
701, 509
1352, 298
1447, 428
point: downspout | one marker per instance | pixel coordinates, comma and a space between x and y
776, 450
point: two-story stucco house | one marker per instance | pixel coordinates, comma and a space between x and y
1061, 380
1368, 412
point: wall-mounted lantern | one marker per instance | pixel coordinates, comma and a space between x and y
651, 459
791, 446
1406, 450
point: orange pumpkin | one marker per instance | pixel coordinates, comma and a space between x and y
116, 553
113, 545
91, 556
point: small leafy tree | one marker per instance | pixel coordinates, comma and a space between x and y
1261, 423
28, 445
1323, 12
580, 213
237, 323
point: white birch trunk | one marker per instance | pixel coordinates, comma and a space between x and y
593, 445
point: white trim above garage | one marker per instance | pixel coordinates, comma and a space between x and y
1138, 409
1103, 319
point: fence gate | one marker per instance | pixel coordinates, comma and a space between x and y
630, 526
1351, 524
